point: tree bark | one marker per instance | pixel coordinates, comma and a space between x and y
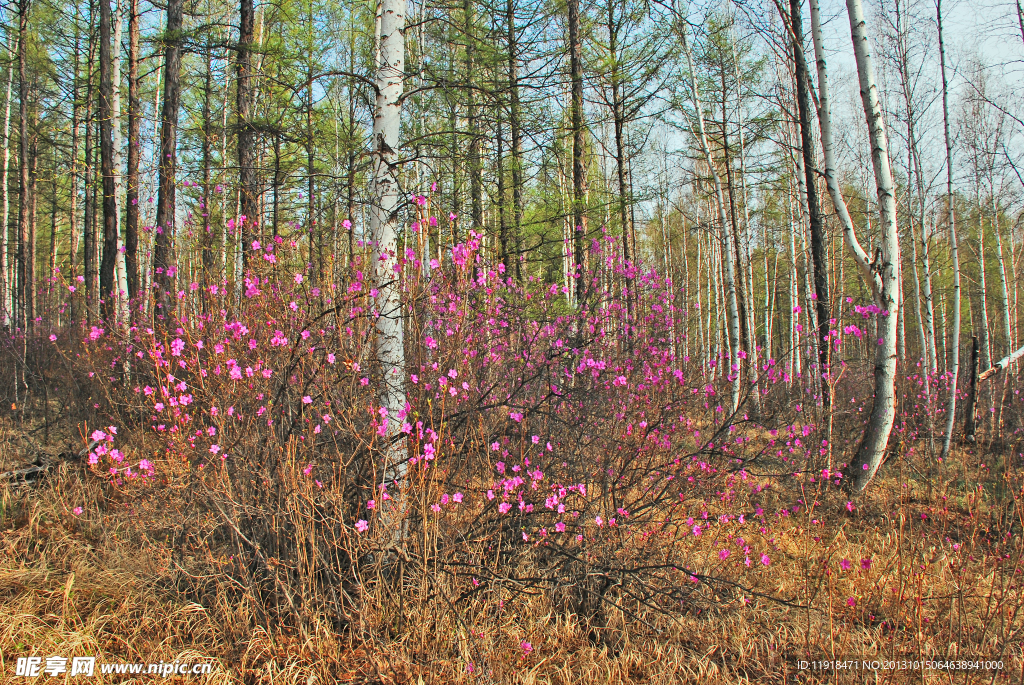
108, 299
384, 223
246, 134
819, 258
131, 227
206, 229
472, 121
6, 273
971, 409
579, 209
619, 123
828, 150
163, 259
954, 345
883, 412
515, 133
24, 183
735, 370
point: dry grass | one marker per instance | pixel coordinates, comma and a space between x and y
93, 584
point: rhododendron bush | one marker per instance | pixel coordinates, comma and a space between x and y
547, 447
544, 448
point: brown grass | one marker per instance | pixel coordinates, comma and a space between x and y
95, 584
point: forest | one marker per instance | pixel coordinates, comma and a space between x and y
512, 341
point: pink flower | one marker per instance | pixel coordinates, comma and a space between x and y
214, 449
371, 504
765, 560
362, 525
308, 470
526, 647
307, 400
298, 278
77, 511
560, 527
845, 564
851, 602
849, 506
723, 555
457, 497
865, 564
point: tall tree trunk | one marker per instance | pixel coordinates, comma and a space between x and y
619, 123
954, 345
163, 257
472, 121
734, 367
986, 338
819, 258
384, 222
52, 262
500, 173
120, 267
861, 257
1003, 283
31, 253
206, 229
108, 298
753, 366
971, 409
515, 133
131, 227
6, 273
25, 284
579, 193
883, 412
89, 209
246, 134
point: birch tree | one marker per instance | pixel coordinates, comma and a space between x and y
6, 273
954, 351
882, 278
390, 69
727, 251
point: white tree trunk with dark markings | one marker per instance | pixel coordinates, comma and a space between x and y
883, 412
383, 229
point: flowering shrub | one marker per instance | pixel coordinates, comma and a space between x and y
546, 447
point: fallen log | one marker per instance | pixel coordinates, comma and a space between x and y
1002, 364
43, 463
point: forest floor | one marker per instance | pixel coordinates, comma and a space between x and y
939, 577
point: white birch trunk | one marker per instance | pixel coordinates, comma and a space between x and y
1002, 273
883, 412
726, 249
828, 149
383, 229
794, 300
986, 337
954, 344
752, 363
6, 273
120, 272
